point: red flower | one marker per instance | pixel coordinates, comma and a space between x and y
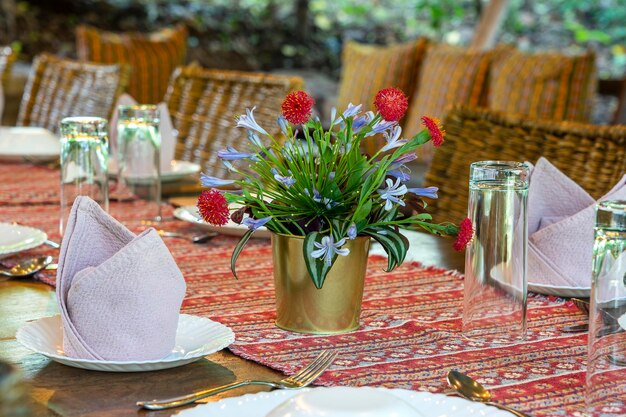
391, 103
465, 235
297, 107
213, 207
434, 128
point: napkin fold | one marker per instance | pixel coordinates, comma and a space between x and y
119, 293
561, 219
166, 129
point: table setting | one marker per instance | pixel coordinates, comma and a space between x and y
310, 270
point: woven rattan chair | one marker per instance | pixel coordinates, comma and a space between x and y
204, 102
593, 156
57, 88
7, 57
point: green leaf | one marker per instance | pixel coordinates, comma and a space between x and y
363, 211
318, 269
238, 249
392, 241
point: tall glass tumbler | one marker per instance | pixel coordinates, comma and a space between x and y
139, 153
84, 159
606, 363
494, 302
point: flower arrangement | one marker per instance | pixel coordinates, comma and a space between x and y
321, 186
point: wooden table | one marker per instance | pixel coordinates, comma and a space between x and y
59, 390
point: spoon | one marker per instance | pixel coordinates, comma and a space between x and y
474, 391
27, 267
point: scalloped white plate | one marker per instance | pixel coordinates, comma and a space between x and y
15, 238
196, 337
30, 143
190, 214
426, 404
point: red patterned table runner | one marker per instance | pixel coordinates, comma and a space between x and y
410, 325
28, 184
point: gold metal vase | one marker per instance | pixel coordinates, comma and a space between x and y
300, 306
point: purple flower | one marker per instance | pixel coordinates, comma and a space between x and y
229, 166
247, 121
331, 175
327, 248
352, 231
317, 197
208, 181
393, 139
379, 127
404, 159
403, 176
282, 122
430, 192
231, 154
392, 192
254, 138
352, 110
361, 121
287, 181
254, 224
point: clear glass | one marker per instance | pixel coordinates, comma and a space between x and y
139, 154
606, 362
494, 302
84, 159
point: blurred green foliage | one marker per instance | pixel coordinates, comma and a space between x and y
268, 34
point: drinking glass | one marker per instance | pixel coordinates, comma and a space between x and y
84, 159
494, 302
139, 153
139, 156
606, 362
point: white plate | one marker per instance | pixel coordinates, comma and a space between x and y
190, 214
196, 337
426, 403
32, 143
580, 292
177, 171
16, 238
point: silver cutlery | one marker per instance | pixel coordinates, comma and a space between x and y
28, 267
52, 244
472, 390
300, 379
194, 239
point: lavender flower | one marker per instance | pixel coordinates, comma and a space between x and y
254, 138
247, 121
352, 231
333, 115
402, 176
392, 192
352, 110
287, 181
282, 122
231, 154
208, 181
430, 192
379, 127
327, 248
404, 159
393, 139
254, 224
361, 121
229, 166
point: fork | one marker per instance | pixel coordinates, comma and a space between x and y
194, 239
300, 379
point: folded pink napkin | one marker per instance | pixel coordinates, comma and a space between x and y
119, 293
166, 129
561, 218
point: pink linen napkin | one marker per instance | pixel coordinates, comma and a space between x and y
166, 129
561, 218
119, 293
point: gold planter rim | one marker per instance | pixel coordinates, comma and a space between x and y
302, 237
